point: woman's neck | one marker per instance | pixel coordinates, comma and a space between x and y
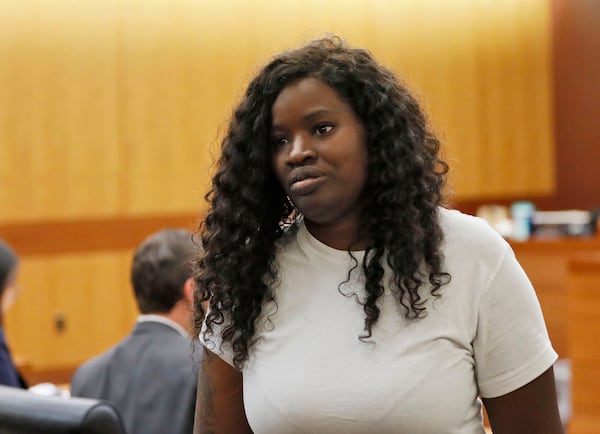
340, 236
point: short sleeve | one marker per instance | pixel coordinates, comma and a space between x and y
511, 346
214, 342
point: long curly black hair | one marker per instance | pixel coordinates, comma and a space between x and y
248, 210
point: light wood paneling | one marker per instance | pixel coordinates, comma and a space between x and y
59, 146
112, 107
92, 295
483, 69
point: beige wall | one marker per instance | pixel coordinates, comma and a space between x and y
112, 110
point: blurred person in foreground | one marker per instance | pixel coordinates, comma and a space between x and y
344, 298
149, 376
9, 268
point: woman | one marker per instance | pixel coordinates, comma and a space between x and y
9, 265
343, 298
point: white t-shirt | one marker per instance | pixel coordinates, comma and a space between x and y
309, 373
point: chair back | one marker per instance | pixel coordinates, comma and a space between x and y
22, 412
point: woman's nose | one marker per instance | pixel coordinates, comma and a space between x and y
301, 151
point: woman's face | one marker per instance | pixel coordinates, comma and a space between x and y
320, 153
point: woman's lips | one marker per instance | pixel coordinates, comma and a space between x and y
306, 186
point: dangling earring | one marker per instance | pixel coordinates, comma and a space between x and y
292, 215
295, 214
291, 204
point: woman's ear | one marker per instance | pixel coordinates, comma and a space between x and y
188, 291
7, 298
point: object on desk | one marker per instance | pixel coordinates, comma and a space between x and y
49, 389
571, 223
497, 217
521, 212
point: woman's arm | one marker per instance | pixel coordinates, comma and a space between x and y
531, 409
219, 402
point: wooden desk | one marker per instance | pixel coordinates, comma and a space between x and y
583, 314
546, 262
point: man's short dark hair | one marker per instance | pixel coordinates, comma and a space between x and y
161, 265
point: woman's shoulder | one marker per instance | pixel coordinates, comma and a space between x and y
469, 232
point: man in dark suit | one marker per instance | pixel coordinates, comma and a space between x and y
150, 376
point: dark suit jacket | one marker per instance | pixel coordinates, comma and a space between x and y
9, 376
150, 377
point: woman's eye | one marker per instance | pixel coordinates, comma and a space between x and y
321, 130
280, 141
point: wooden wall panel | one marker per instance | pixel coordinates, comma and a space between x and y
483, 69
575, 32
59, 237
112, 107
167, 115
576, 55
58, 147
90, 293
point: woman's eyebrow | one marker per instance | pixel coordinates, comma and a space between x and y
309, 117
317, 113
